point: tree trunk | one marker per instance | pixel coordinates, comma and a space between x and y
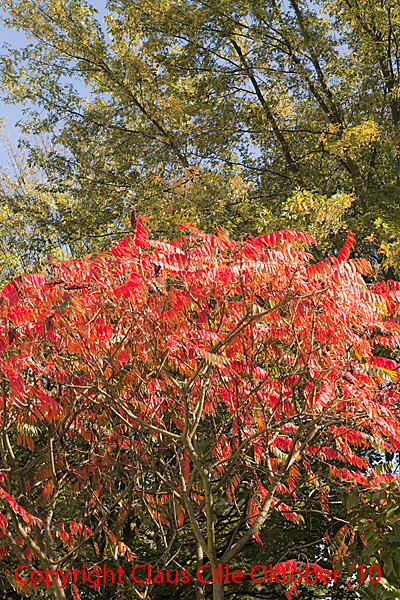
218, 587
200, 586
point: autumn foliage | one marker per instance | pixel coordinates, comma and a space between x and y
158, 383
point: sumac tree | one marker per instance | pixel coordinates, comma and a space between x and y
188, 391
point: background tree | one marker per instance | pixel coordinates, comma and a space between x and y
29, 230
211, 111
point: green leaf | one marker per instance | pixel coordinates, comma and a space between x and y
63, 306
388, 566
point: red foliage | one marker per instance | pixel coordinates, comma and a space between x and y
247, 359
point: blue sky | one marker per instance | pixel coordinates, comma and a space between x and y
11, 113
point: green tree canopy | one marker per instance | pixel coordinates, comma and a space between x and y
208, 111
